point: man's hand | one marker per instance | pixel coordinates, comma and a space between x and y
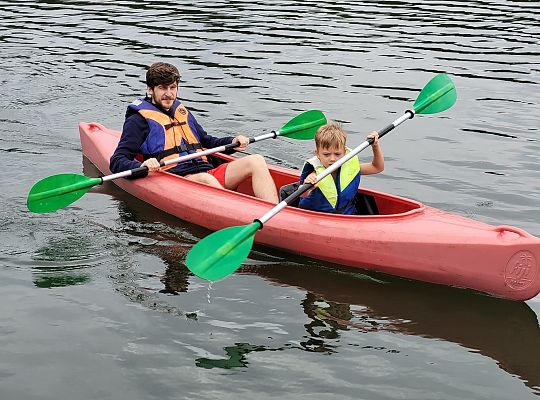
152, 164
243, 141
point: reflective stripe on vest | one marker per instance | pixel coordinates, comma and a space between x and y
347, 174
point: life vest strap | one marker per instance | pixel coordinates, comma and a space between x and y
174, 123
183, 148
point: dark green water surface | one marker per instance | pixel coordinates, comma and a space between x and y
96, 300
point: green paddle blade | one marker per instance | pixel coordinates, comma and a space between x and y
438, 95
58, 191
221, 253
303, 126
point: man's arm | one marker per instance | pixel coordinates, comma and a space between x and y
207, 141
133, 135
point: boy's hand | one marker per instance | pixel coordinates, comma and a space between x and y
375, 136
311, 178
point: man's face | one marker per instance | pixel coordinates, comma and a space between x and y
164, 95
328, 156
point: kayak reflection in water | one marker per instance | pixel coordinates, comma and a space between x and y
159, 127
335, 302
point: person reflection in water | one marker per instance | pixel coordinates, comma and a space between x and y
323, 327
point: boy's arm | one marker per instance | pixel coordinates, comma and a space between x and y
307, 169
377, 163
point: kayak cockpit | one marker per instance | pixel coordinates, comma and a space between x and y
368, 202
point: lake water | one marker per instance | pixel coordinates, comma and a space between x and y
96, 300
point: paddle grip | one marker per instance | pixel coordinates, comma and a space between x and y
141, 171
235, 144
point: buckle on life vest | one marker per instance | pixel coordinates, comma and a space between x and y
183, 148
174, 123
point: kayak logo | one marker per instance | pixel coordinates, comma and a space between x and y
520, 270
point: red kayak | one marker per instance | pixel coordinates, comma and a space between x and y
397, 236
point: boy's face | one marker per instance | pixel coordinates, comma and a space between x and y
328, 156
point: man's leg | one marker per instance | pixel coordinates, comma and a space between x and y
253, 166
203, 177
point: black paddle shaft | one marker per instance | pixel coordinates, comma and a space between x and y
388, 128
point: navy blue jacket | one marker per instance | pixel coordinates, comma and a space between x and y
134, 133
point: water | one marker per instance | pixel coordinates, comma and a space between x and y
97, 303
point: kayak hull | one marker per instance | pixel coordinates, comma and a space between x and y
406, 238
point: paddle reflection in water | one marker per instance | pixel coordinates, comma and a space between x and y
506, 331
61, 278
59, 263
236, 357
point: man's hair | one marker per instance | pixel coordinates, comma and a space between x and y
162, 74
330, 135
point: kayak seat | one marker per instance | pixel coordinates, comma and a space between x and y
286, 190
215, 161
365, 203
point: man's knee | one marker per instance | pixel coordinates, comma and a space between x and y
257, 161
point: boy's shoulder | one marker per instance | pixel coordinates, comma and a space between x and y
314, 161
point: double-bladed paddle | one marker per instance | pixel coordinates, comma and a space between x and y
58, 191
222, 252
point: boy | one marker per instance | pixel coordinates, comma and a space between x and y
336, 192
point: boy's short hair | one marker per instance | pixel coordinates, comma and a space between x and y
161, 73
330, 135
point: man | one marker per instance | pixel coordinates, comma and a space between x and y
159, 127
